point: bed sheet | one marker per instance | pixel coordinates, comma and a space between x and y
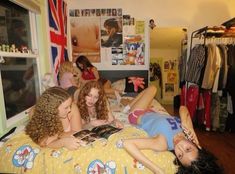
21, 155
123, 117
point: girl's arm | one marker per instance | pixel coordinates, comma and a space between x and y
69, 142
96, 73
134, 147
76, 120
187, 124
111, 118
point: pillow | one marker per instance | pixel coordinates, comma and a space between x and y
119, 85
135, 84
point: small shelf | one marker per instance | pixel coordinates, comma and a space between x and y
13, 54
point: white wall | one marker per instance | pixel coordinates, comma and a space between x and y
165, 53
191, 13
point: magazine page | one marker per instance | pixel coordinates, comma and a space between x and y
86, 136
89, 136
105, 131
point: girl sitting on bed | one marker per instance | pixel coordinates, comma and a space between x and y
69, 79
94, 107
167, 133
90, 73
54, 119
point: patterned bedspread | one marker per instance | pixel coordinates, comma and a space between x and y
20, 155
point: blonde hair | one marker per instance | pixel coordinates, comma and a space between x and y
45, 121
67, 66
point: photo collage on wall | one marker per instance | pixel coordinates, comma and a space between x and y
133, 43
170, 69
94, 30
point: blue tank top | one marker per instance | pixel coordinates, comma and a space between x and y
156, 123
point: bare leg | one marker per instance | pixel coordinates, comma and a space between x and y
144, 99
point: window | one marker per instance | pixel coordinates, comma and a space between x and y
20, 83
14, 28
19, 80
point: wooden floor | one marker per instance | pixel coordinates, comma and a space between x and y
222, 145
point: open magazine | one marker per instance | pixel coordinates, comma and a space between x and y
89, 136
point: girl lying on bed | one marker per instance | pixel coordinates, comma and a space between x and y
54, 119
167, 133
94, 106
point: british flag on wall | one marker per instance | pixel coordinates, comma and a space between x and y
57, 10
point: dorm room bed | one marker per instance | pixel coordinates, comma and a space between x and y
21, 155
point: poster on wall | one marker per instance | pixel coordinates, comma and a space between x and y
117, 56
85, 37
111, 32
170, 69
133, 50
139, 27
169, 89
94, 29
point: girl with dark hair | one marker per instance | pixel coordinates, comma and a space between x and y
90, 73
167, 133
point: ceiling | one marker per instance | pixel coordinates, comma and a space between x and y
166, 38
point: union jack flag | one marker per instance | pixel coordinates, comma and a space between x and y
57, 10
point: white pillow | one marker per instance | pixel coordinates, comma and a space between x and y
119, 85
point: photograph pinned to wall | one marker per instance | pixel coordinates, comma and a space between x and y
77, 13
139, 27
92, 12
169, 89
117, 56
170, 65
172, 76
119, 12
103, 12
85, 37
128, 25
128, 20
134, 48
72, 12
111, 31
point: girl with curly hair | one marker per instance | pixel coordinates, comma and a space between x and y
94, 107
90, 73
167, 133
54, 119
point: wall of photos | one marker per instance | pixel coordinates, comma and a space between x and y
110, 39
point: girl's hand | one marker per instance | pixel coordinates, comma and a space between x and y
71, 142
118, 124
191, 136
158, 171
